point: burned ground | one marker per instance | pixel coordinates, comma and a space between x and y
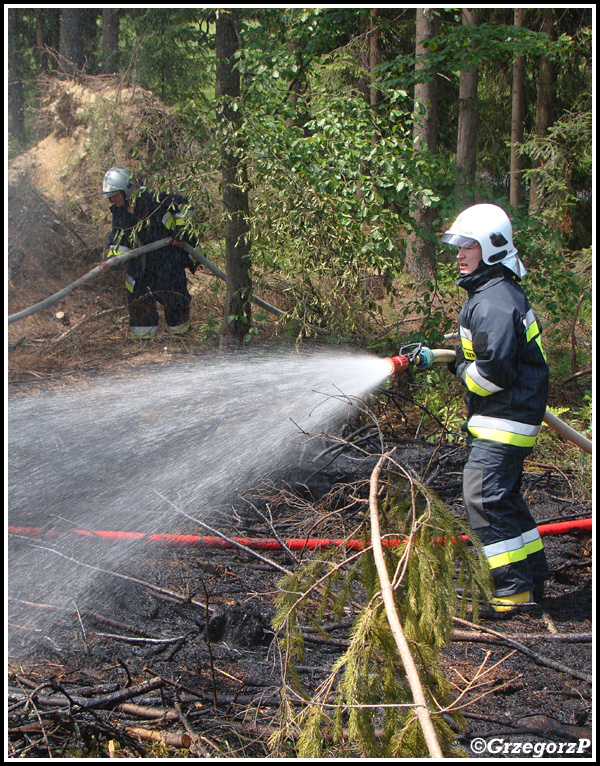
178, 639
102, 674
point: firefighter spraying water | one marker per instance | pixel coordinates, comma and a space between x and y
502, 364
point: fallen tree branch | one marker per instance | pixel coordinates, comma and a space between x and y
164, 592
175, 739
421, 709
540, 659
86, 703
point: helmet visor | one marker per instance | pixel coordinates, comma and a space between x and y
458, 240
109, 189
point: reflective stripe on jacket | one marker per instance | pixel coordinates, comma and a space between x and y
503, 364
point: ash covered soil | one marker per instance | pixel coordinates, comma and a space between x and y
178, 640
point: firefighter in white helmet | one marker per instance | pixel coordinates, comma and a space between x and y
140, 217
502, 364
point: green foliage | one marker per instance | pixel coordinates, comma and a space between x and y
364, 707
560, 160
163, 48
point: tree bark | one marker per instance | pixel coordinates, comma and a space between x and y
545, 102
466, 145
238, 307
374, 57
71, 40
420, 251
517, 122
110, 40
16, 98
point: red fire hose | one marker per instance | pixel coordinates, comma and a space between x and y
256, 543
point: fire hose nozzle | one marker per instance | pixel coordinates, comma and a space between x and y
397, 363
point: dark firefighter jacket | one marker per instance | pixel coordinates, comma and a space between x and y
501, 360
155, 216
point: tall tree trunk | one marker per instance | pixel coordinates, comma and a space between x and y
374, 56
41, 52
374, 61
71, 40
16, 99
110, 40
238, 306
545, 101
517, 121
420, 251
466, 145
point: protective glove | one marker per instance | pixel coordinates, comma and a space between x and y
459, 360
425, 358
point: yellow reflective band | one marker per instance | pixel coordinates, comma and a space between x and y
168, 221
467, 347
508, 557
144, 333
532, 331
504, 437
534, 546
477, 383
475, 388
181, 329
538, 340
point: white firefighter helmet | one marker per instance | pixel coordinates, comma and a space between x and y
491, 228
118, 179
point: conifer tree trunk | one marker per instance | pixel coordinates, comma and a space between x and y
110, 39
238, 307
420, 251
71, 39
517, 120
16, 99
545, 101
466, 145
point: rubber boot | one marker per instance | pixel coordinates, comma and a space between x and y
501, 607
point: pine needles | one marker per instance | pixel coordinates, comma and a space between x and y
366, 707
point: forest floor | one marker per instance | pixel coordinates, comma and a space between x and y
132, 670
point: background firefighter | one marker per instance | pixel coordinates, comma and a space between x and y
503, 366
140, 217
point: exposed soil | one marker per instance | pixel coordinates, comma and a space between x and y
179, 639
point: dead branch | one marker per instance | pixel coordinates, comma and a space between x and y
421, 708
174, 739
540, 659
145, 711
567, 638
83, 320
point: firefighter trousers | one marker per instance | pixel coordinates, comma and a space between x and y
164, 284
498, 513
